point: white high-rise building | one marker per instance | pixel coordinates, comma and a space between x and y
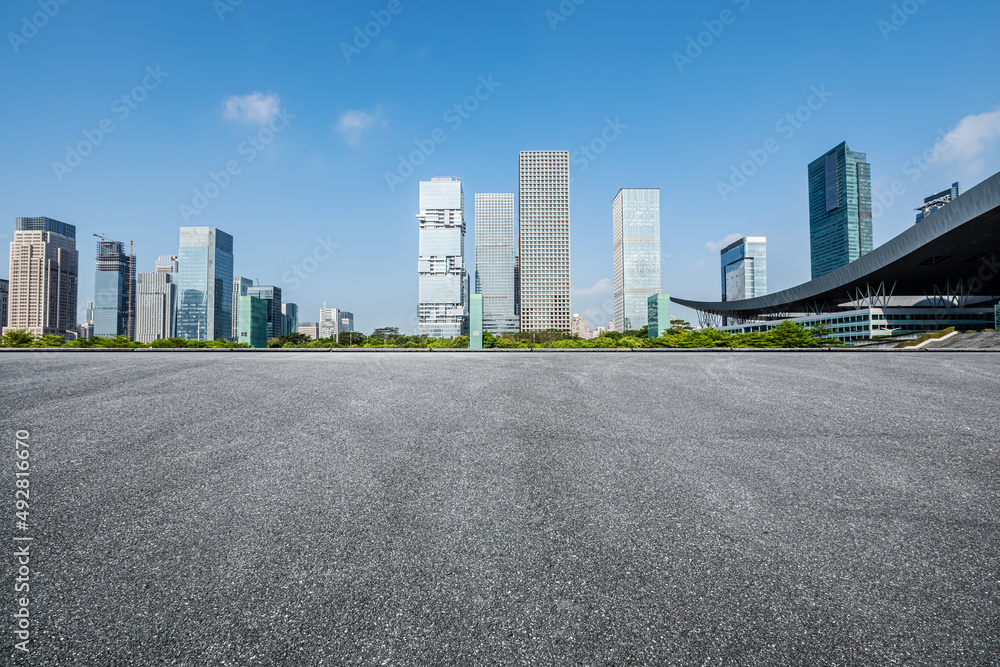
496, 253
443, 310
43, 277
240, 287
544, 248
156, 306
636, 213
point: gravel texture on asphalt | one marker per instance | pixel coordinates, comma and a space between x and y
478, 509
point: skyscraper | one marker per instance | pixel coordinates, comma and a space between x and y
744, 269
333, 322
290, 311
156, 307
637, 255
167, 264
205, 284
114, 291
240, 286
543, 254
271, 295
43, 277
496, 254
4, 301
936, 201
252, 324
840, 209
443, 310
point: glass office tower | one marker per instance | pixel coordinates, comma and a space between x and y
272, 297
637, 255
496, 253
443, 311
205, 284
744, 269
938, 200
840, 209
114, 291
544, 252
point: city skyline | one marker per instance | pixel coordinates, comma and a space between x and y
324, 163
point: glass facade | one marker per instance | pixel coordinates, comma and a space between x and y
252, 321
840, 209
637, 255
496, 254
744, 269
240, 287
476, 321
205, 284
443, 309
544, 243
658, 309
938, 200
272, 296
114, 291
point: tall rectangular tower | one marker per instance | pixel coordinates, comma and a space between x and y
156, 306
205, 284
443, 309
544, 248
240, 287
4, 301
496, 254
114, 291
744, 269
44, 276
840, 209
272, 297
637, 255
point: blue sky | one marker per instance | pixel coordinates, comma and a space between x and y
204, 81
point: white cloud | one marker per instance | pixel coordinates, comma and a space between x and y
354, 123
253, 108
602, 287
716, 246
972, 138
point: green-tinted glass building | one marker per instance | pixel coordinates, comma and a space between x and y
658, 310
840, 209
476, 322
253, 321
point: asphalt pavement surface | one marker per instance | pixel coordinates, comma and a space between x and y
509, 509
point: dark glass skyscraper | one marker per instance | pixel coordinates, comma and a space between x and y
496, 251
114, 291
271, 296
205, 284
840, 209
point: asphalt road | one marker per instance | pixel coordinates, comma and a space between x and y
457, 509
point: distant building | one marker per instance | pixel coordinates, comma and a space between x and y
579, 326
275, 316
310, 329
167, 264
4, 301
936, 201
544, 249
443, 309
658, 307
636, 254
476, 321
253, 321
333, 322
744, 269
205, 284
156, 307
240, 287
496, 254
44, 277
290, 313
114, 291
840, 209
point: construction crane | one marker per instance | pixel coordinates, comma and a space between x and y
131, 281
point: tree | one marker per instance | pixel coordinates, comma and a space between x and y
48, 341
351, 338
17, 338
386, 333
